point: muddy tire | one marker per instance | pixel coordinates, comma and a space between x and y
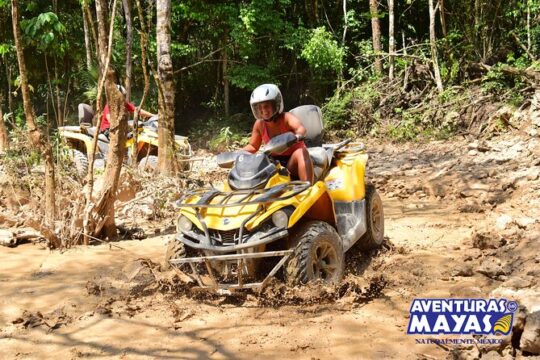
175, 250
374, 236
80, 161
148, 163
318, 255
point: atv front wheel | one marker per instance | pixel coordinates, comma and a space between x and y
175, 250
80, 161
374, 236
148, 163
318, 255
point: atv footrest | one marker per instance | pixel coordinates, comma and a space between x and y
228, 288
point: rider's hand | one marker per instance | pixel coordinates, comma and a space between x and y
299, 137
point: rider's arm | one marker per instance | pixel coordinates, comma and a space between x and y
295, 125
132, 108
146, 114
255, 140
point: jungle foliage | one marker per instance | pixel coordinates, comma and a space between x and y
318, 52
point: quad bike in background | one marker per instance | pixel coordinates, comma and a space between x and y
263, 222
79, 141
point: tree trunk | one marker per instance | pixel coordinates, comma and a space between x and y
103, 217
376, 31
35, 135
391, 39
59, 111
166, 159
87, 45
117, 143
92, 29
49, 82
129, 46
101, 46
226, 84
4, 139
10, 93
144, 43
345, 23
443, 18
433, 44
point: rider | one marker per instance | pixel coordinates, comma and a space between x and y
130, 107
267, 107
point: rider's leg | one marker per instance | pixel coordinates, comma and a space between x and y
300, 165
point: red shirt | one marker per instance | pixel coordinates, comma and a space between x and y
283, 128
105, 123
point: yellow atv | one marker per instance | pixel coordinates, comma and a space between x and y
79, 140
262, 222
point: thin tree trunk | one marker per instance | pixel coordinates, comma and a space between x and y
87, 44
129, 46
4, 138
103, 37
35, 135
166, 155
226, 84
10, 96
345, 23
90, 20
376, 34
528, 25
433, 44
59, 112
49, 82
442, 16
144, 43
406, 75
391, 38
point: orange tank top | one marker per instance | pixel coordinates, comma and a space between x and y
282, 130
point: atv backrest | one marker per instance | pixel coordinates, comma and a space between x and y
86, 114
311, 118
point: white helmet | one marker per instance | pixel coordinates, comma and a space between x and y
266, 92
121, 89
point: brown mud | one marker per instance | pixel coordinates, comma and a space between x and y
461, 221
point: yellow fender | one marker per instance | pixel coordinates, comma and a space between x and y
314, 203
85, 139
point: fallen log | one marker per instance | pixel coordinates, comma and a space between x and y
7, 238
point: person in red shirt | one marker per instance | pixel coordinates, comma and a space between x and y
106, 116
267, 107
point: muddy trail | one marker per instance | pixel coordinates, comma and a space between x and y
461, 221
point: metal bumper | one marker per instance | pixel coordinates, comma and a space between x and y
255, 240
240, 258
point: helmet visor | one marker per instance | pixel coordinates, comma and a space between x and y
264, 110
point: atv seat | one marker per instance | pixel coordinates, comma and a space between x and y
86, 114
311, 118
92, 130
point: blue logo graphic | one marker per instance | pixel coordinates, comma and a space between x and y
461, 316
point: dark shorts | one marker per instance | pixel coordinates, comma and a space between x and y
283, 160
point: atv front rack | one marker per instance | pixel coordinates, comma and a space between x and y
240, 258
276, 193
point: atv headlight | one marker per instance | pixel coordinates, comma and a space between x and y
184, 224
281, 219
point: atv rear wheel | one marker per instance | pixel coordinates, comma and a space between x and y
80, 161
318, 255
175, 250
148, 163
374, 235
